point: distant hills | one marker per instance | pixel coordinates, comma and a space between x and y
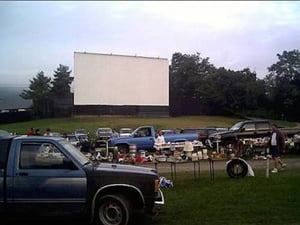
10, 99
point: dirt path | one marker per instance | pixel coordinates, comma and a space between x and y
165, 167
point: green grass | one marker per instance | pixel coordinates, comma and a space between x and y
91, 123
250, 200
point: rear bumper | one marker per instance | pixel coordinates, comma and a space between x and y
159, 202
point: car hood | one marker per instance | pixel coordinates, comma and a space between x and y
114, 167
221, 133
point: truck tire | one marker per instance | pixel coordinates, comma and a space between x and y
237, 168
123, 148
113, 210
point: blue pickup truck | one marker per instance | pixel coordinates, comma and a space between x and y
48, 175
144, 137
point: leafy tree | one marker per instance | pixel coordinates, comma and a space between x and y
283, 85
197, 87
62, 81
187, 74
38, 92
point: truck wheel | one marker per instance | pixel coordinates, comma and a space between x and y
113, 210
123, 148
237, 168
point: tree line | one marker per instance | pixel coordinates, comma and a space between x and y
47, 95
198, 87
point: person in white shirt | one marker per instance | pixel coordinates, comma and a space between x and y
160, 139
48, 132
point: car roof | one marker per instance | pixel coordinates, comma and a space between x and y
4, 133
125, 129
105, 128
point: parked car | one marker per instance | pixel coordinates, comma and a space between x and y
73, 139
249, 129
204, 133
124, 132
144, 138
168, 131
82, 134
104, 133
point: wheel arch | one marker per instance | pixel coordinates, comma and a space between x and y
123, 145
119, 189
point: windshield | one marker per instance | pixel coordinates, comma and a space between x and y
104, 130
81, 158
80, 131
125, 131
236, 126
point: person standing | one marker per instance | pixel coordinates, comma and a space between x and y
30, 132
37, 132
48, 132
277, 146
160, 139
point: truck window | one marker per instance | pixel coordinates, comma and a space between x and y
249, 127
144, 132
4, 146
262, 126
41, 156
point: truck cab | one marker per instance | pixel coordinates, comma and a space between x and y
49, 176
242, 130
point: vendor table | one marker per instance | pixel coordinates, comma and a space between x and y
196, 168
177, 145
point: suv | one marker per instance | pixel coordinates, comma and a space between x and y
204, 133
82, 134
104, 133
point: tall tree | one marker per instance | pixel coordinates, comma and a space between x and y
39, 93
283, 83
62, 81
187, 74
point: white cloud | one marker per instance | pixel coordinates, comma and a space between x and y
39, 36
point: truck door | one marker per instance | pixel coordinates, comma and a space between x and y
46, 180
247, 131
144, 138
4, 147
263, 129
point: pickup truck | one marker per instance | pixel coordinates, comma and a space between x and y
144, 137
249, 129
49, 176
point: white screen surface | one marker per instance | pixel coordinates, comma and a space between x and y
103, 79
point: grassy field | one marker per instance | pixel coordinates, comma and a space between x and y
251, 200
91, 123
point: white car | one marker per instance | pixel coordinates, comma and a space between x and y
73, 139
124, 132
104, 133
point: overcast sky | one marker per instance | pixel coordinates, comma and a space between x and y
38, 36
